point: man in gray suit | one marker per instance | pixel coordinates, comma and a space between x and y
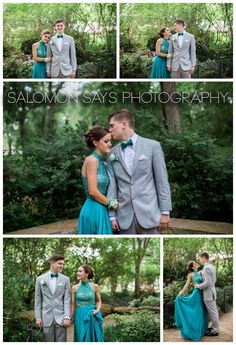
52, 302
62, 54
138, 179
182, 49
209, 293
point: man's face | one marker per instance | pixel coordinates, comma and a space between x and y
57, 266
116, 129
202, 260
178, 27
60, 27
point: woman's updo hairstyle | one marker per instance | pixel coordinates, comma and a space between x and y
162, 31
45, 32
95, 133
190, 266
88, 269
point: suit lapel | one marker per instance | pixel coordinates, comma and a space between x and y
59, 279
55, 42
46, 278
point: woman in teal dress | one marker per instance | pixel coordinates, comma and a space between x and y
39, 50
94, 217
85, 308
159, 69
191, 316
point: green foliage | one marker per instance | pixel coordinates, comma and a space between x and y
151, 301
136, 65
16, 330
17, 68
141, 326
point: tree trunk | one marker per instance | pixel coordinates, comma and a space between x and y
170, 109
51, 109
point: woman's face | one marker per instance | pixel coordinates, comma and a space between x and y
46, 38
81, 274
196, 266
104, 144
167, 33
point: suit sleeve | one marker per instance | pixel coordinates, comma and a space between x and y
73, 55
67, 299
161, 178
112, 189
193, 51
168, 61
207, 277
38, 301
49, 54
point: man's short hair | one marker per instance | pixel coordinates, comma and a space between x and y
121, 115
55, 258
204, 255
59, 21
179, 21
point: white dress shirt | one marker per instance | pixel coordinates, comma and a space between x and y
128, 154
59, 42
181, 39
52, 283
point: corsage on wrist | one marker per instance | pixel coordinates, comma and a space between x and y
46, 60
113, 204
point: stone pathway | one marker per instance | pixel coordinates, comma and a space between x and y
177, 226
226, 332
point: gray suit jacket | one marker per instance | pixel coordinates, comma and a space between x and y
146, 192
48, 306
64, 60
208, 285
184, 57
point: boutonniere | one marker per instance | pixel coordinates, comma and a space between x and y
51, 42
113, 158
60, 284
42, 282
173, 39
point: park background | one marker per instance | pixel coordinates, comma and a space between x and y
127, 271
44, 148
210, 23
177, 253
93, 27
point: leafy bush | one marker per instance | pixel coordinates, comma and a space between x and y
118, 299
16, 330
139, 326
149, 301
17, 68
135, 66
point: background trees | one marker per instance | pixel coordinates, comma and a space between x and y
93, 27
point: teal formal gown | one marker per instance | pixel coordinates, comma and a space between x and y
87, 327
159, 69
39, 68
191, 316
94, 217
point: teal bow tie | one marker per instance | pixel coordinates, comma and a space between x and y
124, 144
52, 275
59, 36
180, 34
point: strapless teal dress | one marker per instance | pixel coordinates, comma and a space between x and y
39, 68
191, 316
159, 69
87, 327
94, 217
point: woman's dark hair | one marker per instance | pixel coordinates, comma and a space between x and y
88, 269
162, 31
190, 266
95, 133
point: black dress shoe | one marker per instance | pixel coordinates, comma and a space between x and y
209, 329
211, 334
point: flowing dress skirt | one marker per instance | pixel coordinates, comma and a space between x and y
191, 316
87, 327
159, 68
39, 70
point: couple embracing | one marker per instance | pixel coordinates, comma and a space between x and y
131, 194
191, 312
56, 307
